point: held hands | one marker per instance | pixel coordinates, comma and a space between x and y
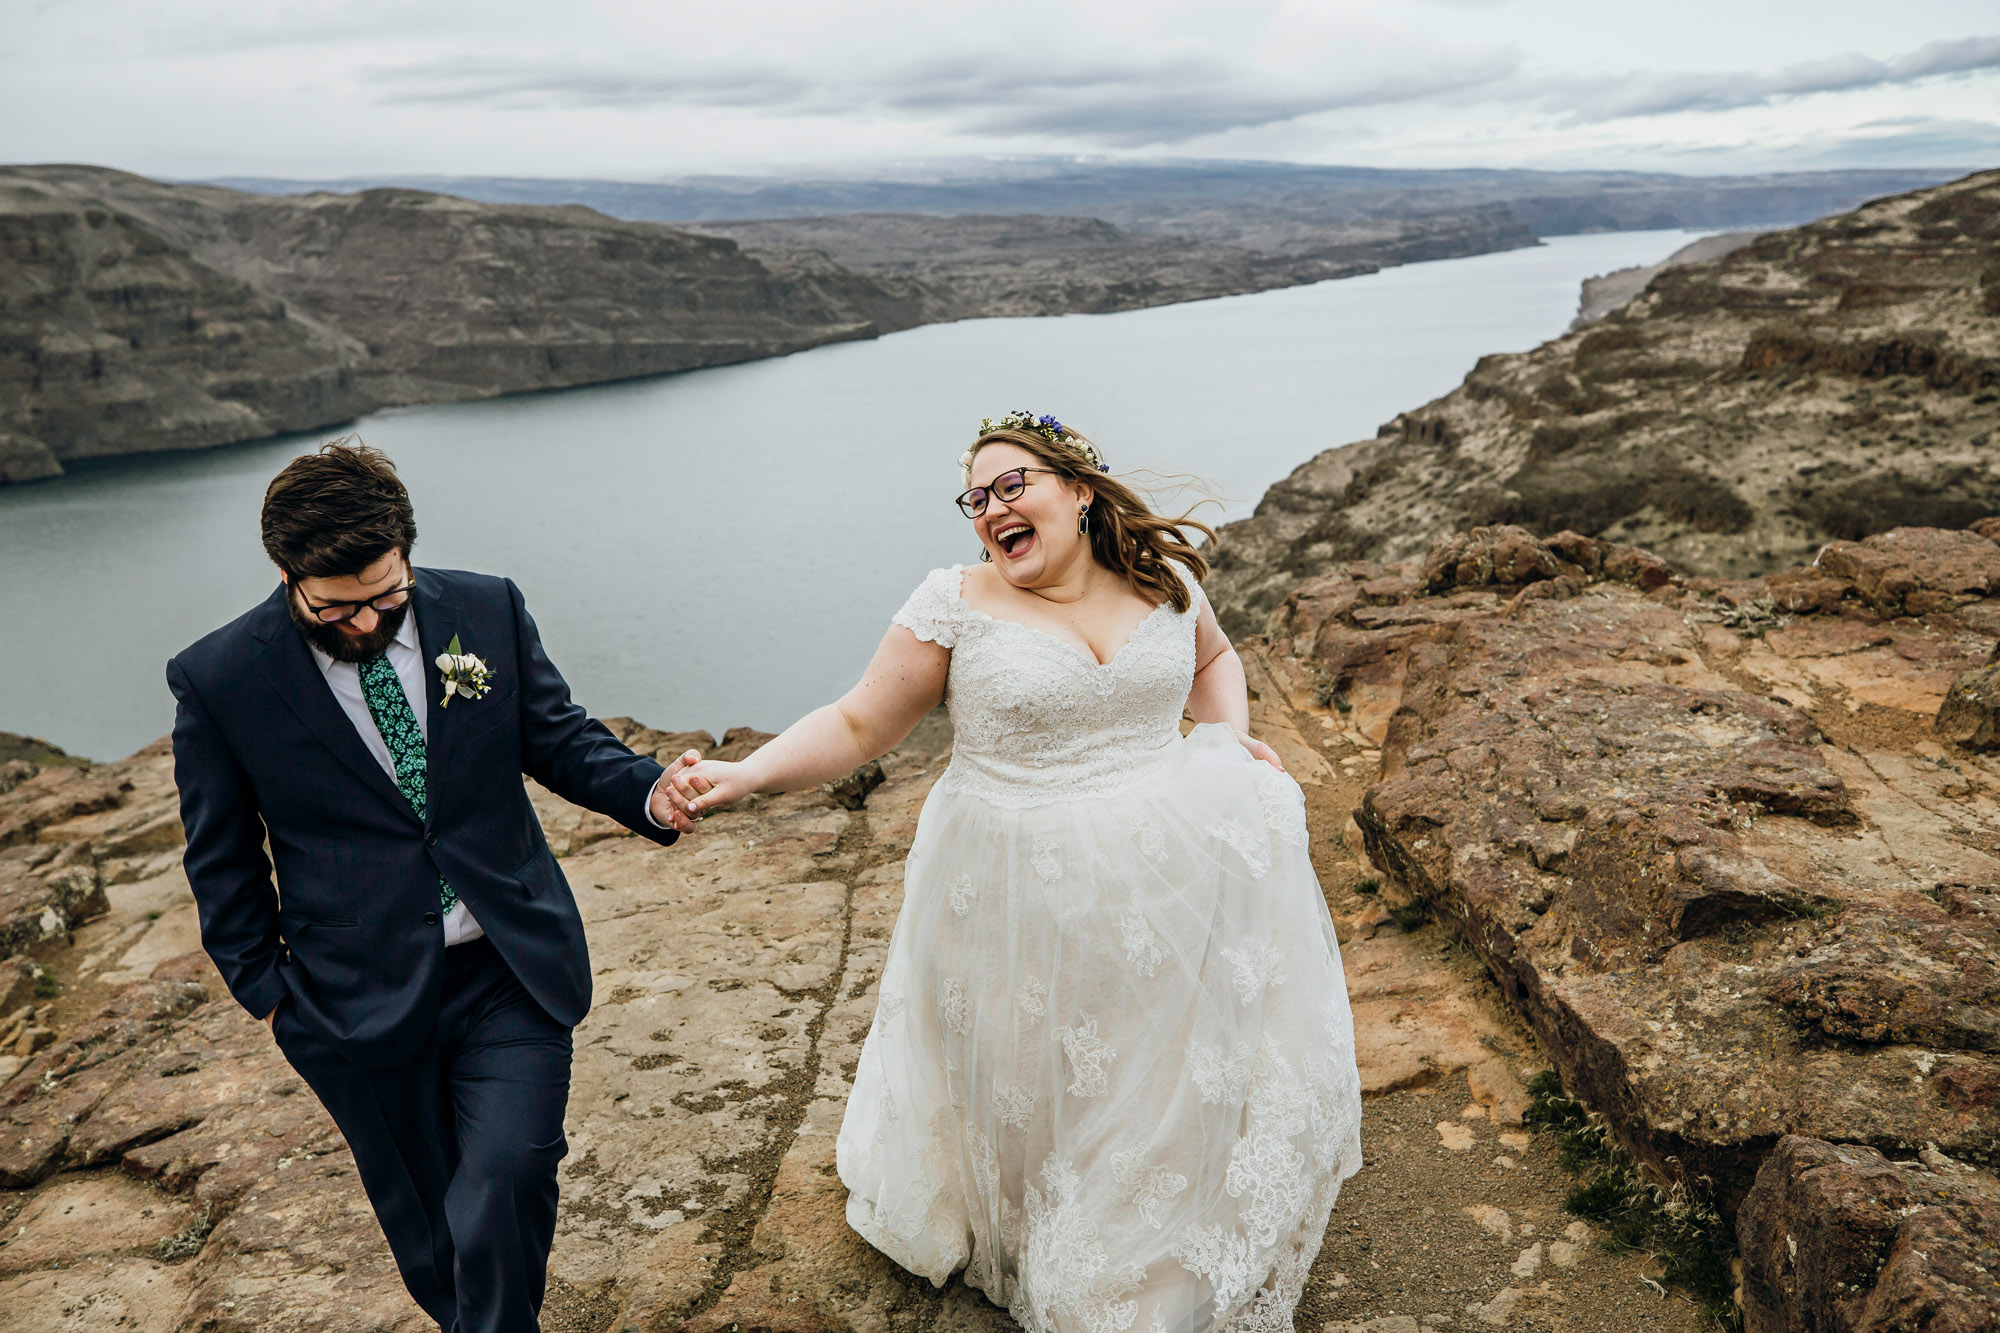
1259, 750
663, 807
708, 785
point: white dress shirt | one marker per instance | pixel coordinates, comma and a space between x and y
406, 655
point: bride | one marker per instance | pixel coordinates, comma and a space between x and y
1111, 1073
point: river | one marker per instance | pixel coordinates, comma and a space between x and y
726, 547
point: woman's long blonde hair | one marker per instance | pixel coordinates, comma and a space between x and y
1126, 536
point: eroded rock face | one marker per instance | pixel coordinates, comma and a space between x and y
1836, 1237
1699, 831
1716, 868
118, 341
1818, 384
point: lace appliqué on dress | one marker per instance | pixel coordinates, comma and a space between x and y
1065, 1271
953, 1008
1014, 1105
1283, 806
888, 1009
1222, 1079
963, 891
1034, 1000
933, 611
1257, 966
1264, 1166
1088, 1055
1222, 1257
1142, 944
1047, 859
1253, 845
1150, 836
1146, 1188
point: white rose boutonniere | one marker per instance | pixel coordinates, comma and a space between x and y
462, 673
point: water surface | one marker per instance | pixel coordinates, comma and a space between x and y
726, 547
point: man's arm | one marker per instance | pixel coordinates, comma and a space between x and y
571, 753
225, 859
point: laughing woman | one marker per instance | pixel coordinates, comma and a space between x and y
1111, 1074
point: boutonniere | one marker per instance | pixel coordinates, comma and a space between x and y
462, 673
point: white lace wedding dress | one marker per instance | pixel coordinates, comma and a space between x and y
1111, 1073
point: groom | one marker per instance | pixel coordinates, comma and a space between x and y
420, 959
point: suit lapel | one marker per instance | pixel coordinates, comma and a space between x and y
437, 623
290, 667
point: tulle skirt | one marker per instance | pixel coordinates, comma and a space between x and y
1111, 1073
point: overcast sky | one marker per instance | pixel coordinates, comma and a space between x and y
620, 88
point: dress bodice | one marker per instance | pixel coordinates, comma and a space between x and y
1037, 719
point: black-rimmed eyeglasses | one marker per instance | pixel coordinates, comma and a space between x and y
1006, 487
332, 613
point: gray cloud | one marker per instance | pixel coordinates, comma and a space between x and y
1665, 94
1125, 105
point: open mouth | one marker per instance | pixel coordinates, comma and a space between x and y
1014, 539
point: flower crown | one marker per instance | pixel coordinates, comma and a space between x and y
1045, 426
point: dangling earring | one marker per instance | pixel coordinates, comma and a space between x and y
1083, 520
985, 555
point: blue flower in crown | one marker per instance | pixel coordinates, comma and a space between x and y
1048, 428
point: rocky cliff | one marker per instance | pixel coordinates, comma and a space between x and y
139, 316
1826, 382
1028, 264
113, 339
146, 316
1730, 847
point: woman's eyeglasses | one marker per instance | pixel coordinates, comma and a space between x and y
1006, 487
331, 613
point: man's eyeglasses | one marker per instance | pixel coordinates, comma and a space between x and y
332, 613
1006, 487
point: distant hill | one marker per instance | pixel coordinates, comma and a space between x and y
1269, 207
1829, 381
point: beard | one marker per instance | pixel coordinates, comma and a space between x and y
342, 646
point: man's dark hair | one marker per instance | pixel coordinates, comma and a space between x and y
332, 514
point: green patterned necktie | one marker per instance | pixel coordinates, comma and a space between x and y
390, 707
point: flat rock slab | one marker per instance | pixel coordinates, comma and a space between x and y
1737, 893
85, 1215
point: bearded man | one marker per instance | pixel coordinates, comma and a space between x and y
419, 957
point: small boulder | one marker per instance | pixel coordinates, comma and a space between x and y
1971, 712
24, 458
1836, 1236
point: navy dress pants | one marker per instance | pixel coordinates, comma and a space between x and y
458, 1147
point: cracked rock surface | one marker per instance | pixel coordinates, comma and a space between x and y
165, 1170
1701, 832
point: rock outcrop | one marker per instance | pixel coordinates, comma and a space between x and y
157, 317
1838, 1237
1608, 291
1823, 383
113, 340
1699, 831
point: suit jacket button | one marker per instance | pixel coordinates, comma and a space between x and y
430, 918
431, 839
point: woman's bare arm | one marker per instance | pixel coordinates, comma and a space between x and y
1220, 693
903, 682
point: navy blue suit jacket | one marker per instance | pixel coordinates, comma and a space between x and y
350, 935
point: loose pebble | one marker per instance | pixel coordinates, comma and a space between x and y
1455, 1137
